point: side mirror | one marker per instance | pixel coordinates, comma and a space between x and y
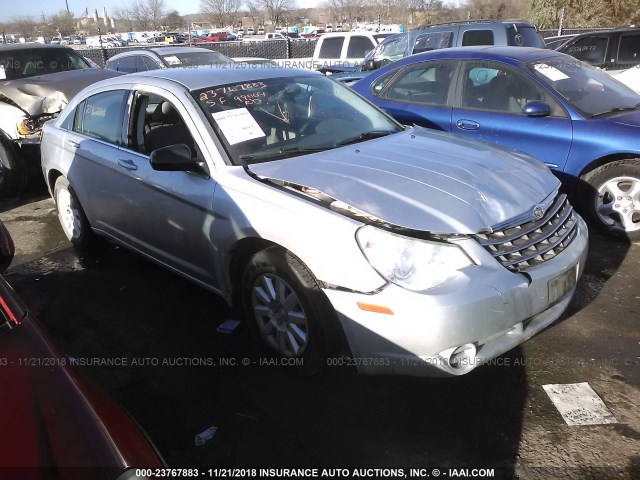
174, 158
369, 65
7, 249
536, 109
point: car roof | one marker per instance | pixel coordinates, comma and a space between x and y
203, 77
31, 46
159, 51
608, 31
467, 23
515, 55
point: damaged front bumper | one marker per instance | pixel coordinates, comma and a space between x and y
453, 328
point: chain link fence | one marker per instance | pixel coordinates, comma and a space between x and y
273, 49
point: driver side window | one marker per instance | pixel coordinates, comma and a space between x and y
157, 124
495, 87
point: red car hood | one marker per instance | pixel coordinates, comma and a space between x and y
53, 424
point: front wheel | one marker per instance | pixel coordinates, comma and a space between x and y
71, 215
285, 305
611, 201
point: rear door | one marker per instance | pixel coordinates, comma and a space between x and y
91, 141
419, 94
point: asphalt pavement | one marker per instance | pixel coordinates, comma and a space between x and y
151, 340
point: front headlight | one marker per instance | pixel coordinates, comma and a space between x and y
408, 262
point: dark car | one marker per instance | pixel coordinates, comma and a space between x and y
56, 425
443, 35
165, 57
581, 122
36, 82
611, 50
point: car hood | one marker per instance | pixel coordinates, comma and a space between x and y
50, 93
424, 180
631, 119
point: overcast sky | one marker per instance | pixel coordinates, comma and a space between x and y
12, 8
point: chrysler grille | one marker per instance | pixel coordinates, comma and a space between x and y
523, 246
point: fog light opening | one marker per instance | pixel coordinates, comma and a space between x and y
462, 357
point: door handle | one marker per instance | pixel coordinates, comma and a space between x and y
73, 144
127, 164
467, 125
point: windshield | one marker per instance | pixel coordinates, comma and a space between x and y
16, 64
277, 118
591, 91
196, 58
390, 50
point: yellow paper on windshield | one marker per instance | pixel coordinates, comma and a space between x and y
238, 125
552, 73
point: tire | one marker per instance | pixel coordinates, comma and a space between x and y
609, 198
13, 172
274, 278
71, 215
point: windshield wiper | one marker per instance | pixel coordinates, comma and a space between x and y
281, 153
616, 109
364, 136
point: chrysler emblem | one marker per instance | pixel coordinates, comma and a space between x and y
538, 212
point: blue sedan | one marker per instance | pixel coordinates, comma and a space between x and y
581, 122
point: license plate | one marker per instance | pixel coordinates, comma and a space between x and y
560, 285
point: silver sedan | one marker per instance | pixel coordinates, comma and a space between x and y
334, 227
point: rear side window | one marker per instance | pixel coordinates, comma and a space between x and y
477, 37
128, 64
147, 64
427, 84
629, 51
102, 115
358, 47
588, 49
112, 64
432, 41
331, 48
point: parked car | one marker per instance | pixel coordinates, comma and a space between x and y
275, 36
250, 31
553, 43
441, 35
59, 425
260, 30
165, 57
345, 49
611, 50
36, 82
580, 121
293, 197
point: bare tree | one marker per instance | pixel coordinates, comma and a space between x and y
174, 21
223, 12
23, 26
62, 22
142, 14
499, 9
275, 8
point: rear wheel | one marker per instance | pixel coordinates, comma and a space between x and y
13, 173
611, 201
285, 305
71, 215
